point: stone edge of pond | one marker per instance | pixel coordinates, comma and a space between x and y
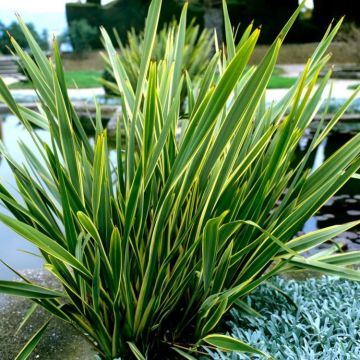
60, 342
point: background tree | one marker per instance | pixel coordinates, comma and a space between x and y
14, 30
270, 14
326, 10
81, 35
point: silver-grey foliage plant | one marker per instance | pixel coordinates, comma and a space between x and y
324, 324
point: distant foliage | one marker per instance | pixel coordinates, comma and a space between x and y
196, 53
81, 36
121, 15
350, 34
15, 31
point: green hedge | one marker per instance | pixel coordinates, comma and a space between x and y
326, 10
270, 15
123, 15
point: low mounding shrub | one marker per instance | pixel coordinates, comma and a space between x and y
156, 240
321, 323
195, 57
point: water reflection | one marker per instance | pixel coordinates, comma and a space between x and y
13, 249
345, 205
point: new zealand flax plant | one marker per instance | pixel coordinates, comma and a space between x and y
196, 53
154, 241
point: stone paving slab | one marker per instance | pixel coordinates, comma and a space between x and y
340, 90
60, 342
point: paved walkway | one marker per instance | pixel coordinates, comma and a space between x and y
10, 80
340, 87
291, 70
340, 90
60, 340
74, 93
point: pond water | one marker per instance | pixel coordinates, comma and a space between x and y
344, 207
13, 249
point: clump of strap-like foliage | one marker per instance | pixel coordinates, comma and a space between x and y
196, 53
155, 241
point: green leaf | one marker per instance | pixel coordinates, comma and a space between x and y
44, 243
215, 316
230, 43
318, 237
150, 116
179, 49
245, 308
91, 229
228, 343
116, 254
323, 267
209, 249
184, 354
27, 290
96, 284
136, 352
32, 343
27, 316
